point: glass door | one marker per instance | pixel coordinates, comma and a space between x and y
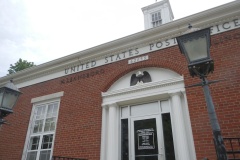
146, 138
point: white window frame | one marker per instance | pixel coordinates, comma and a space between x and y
38, 101
157, 115
156, 22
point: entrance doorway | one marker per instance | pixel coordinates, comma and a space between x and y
146, 132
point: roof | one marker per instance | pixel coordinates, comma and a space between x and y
52, 69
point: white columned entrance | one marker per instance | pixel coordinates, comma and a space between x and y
118, 109
181, 145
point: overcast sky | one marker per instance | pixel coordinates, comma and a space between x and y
43, 30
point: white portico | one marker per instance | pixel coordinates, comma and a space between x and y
147, 120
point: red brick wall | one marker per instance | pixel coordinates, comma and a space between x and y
78, 131
226, 98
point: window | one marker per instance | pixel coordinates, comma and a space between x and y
42, 131
156, 19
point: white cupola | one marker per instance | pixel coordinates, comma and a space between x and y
157, 14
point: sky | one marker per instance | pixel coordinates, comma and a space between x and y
43, 30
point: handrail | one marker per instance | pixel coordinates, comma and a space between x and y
66, 158
232, 147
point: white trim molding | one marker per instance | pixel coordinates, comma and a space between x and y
47, 97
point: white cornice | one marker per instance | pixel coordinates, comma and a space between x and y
170, 30
145, 86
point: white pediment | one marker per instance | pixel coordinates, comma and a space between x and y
157, 74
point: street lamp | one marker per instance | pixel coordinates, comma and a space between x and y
8, 97
195, 45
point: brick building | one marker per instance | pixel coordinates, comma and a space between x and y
89, 104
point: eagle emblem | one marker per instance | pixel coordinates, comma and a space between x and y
140, 78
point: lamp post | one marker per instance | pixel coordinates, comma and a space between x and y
8, 97
195, 45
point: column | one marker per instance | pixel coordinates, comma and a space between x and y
112, 147
191, 147
104, 133
182, 151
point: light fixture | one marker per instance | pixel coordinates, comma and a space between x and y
195, 45
8, 97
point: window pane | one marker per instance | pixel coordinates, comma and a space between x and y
168, 137
45, 155
124, 112
153, 24
40, 112
52, 110
31, 155
47, 141
124, 134
165, 106
9, 99
144, 109
160, 21
145, 139
55, 109
34, 141
196, 48
38, 126
50, 124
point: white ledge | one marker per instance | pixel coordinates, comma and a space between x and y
47, 97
